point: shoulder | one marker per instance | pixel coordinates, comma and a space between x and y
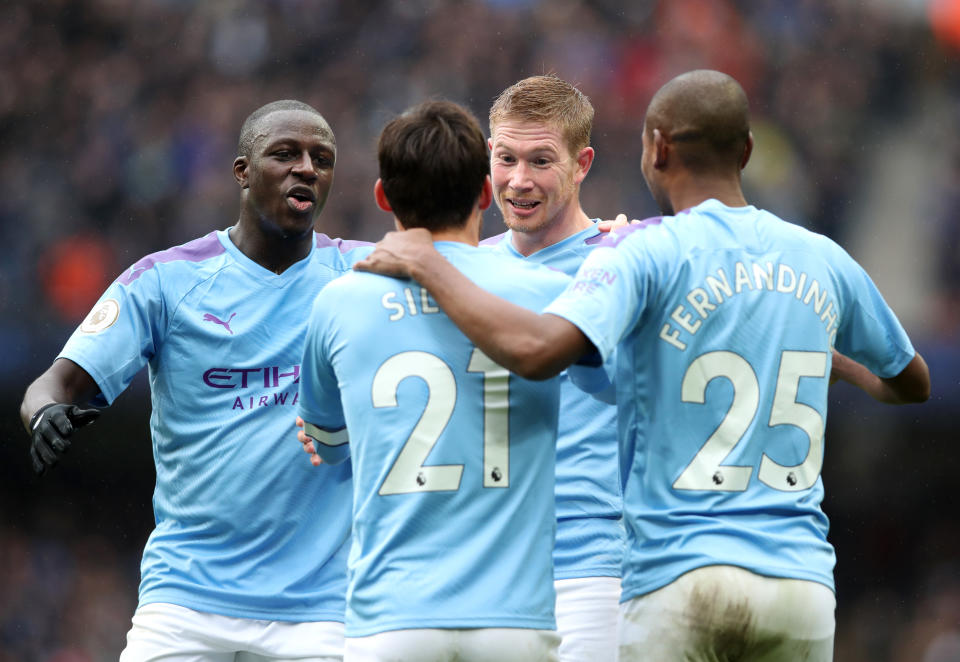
339, 299
340, 253
504, 263
354, 287
634, 232
518, 280
495, 240
193, 255
578, 244
805, 239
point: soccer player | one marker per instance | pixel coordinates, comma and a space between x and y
724, 318
540, 155
248, 556
453, 457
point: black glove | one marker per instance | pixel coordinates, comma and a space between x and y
50, 429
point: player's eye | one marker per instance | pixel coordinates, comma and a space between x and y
542, 161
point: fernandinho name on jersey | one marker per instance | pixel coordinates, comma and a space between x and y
747, 276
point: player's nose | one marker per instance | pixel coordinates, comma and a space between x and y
520, 177
304, 166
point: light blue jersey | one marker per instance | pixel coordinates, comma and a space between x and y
245, 527
590, 534
453, 456
725, 319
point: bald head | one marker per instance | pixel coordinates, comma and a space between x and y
252, 129
704, 114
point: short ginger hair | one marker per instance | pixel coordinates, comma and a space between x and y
550, 100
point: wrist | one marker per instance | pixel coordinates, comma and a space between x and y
424, 265
37, 415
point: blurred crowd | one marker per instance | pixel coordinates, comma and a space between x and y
118, 128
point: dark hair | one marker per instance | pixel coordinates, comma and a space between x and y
433, 162
249, 132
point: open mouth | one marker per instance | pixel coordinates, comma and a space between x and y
300, 199
523, 205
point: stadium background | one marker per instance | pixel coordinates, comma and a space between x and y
118, 125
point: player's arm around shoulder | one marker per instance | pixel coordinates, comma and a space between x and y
531, 345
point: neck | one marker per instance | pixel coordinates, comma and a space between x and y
461, 235
272, 251
468, 233
690, 191
528, 243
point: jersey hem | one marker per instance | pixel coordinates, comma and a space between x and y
628, 592
475, 623
586, 573
233, 611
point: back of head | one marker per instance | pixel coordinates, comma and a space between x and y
704, 114
251, 130
433, 163
547, 100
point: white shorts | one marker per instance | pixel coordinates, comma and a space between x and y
727, 612
463, 645
587, 610
164, 632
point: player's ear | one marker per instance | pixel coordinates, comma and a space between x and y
584, 161
486, 194
380, 196
661, 148
747, 151
240, 170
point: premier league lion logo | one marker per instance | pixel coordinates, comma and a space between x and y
101, 317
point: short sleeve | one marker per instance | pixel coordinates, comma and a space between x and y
869, 331
604, 299
120, 335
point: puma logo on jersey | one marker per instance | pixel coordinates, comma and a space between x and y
208, 317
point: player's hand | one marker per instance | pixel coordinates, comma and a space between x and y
398, 253
50, 430
308, 446
619, 222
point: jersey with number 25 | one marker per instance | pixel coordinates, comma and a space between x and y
453, 456
724, 319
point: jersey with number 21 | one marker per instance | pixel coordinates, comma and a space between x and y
453, 456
